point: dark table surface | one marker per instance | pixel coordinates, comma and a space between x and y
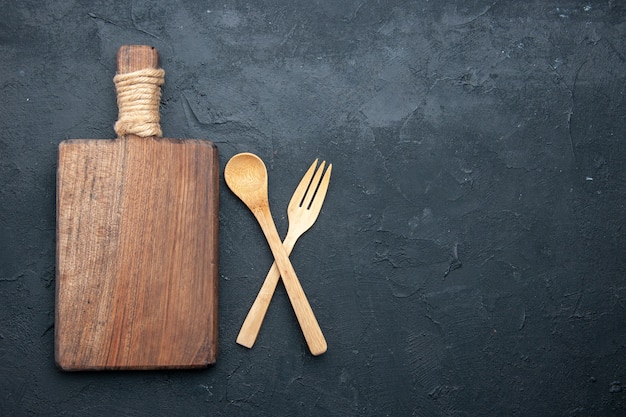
470, 256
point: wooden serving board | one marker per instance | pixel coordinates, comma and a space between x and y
137, 248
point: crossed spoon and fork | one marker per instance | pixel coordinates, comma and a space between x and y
246, 176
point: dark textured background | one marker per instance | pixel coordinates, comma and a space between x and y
470, 256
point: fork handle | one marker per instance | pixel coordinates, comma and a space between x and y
306, 318
252, 324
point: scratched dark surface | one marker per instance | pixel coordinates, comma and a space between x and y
470, 256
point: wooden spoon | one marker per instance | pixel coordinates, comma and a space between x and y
246, 176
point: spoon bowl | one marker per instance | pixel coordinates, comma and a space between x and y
246, 176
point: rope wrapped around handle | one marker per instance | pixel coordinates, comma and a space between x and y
138, 99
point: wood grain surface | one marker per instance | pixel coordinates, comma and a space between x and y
137, 229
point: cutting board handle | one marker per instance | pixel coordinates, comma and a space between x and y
138, 83
131, 58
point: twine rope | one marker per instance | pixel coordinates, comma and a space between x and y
138, 98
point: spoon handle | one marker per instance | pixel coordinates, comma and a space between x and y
308, 323
252, 324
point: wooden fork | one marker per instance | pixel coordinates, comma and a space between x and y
303, 209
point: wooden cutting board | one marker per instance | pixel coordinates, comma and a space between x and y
137, 230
